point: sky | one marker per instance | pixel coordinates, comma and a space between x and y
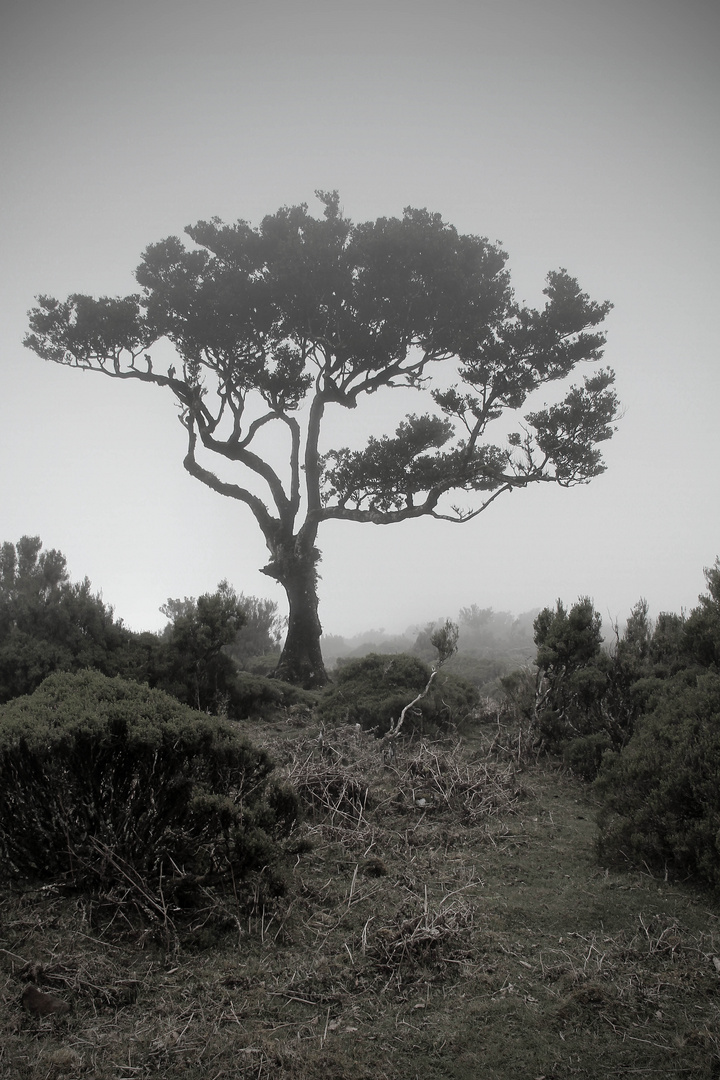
577, 133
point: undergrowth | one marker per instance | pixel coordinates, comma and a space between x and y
448, 919
121, 792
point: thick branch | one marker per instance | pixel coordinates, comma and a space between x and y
294, 462
313, 464
268, 524
239, 452
384, 378
395, 728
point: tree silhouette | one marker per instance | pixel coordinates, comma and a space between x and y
275, 324
48, 622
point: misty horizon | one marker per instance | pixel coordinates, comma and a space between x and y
574, 134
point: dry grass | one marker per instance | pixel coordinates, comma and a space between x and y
449, 920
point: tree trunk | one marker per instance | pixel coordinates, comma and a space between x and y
301, 661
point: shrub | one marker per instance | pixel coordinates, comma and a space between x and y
251, 696
48, 623
573, 681
662, 791
373, 690
702, 628
584, 755
582, 699
104, 781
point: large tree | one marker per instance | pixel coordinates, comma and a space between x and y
272, 325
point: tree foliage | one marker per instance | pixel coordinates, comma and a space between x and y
583, 698
47, 622
259, 636
661, 795
572, 672
274, 325
661, 792
199, 656
193, 662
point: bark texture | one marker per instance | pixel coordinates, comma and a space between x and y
301, 660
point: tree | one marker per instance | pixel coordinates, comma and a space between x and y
259, 635
48, 623
702, 627
198, 670
661, 793
275, 324
572, 672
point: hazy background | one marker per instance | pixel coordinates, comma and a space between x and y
579, 133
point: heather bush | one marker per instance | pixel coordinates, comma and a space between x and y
104, 779
583, 755
373, 690
253, 696
662, 792
582, 699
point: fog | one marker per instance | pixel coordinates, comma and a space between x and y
577, 134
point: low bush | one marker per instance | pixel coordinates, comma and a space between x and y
662, 791
583, 756
105, 782
373, 690
255, 696
581, 699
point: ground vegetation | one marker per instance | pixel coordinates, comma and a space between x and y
440, 903
449, 920
115, 790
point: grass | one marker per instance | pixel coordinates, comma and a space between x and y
449, 921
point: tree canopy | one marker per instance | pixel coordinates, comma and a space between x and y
48, 622
272, 325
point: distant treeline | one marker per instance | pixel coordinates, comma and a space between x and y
490, 644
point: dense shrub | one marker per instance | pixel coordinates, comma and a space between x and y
47, 622
662, 792
584, 755
702, 627
572, 673
373, 690
581, 699
190, 660
103, 779
254, 696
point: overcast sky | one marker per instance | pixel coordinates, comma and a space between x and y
579, 133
